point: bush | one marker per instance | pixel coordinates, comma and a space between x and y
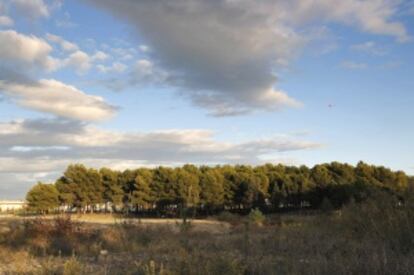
72, 267
63, 236
256, 217
384, 219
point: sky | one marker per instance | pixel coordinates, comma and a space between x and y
131, 83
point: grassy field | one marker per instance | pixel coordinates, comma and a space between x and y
209, 225
366, 239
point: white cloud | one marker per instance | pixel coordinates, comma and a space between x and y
82, 141
376, 16
37, 148
369, 47
5, 21
64, 44
145, 71
321, 40
52, 96
144, 48
116, 67
80, 60
83, 62
34, 165
26, 50
352, 65
31, 52
31, 8
124, 53
144, 67
100, 56
56, 4
65, 21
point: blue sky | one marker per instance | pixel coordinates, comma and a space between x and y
146, 83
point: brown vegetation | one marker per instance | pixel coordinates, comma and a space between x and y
375, 237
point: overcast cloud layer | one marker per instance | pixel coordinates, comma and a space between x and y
223, 54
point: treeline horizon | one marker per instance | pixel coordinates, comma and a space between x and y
209, 190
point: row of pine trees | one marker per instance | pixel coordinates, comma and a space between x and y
208, 190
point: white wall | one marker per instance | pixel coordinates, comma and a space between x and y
11, 205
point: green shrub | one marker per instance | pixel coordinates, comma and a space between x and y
256, 217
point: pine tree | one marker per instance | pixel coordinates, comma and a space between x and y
43, 198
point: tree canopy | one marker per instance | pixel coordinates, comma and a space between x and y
211, 189
43, 197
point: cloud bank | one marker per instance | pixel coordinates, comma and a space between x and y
40, 149
77, 140
223, 55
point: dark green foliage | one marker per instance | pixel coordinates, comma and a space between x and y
141, 195
212, 189
112, 187
42, 198
81, 187
208, 190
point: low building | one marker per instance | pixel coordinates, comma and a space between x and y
10, 206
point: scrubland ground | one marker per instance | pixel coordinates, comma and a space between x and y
373, 238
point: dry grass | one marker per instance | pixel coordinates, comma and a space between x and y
114, 219
366, 239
